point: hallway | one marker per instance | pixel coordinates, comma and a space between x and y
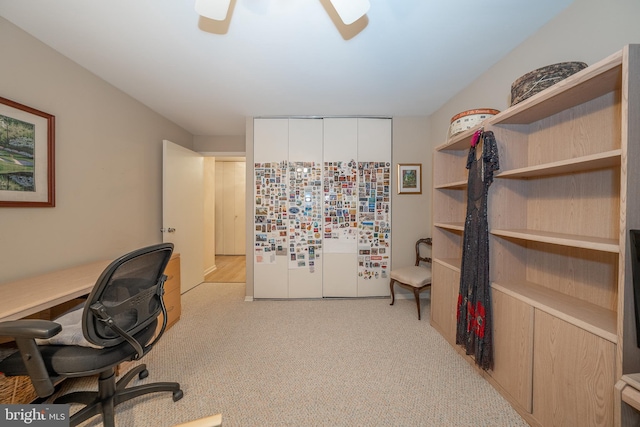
230, 269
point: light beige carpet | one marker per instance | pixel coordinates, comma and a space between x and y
348, 362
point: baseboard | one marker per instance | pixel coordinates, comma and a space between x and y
408, 295
210, 270
399, 296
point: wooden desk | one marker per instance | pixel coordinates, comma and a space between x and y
28, 296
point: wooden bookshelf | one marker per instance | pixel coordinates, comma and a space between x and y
560, 208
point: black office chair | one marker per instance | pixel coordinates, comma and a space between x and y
119, 319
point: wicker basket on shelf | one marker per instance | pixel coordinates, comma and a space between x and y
15, 390
537, 80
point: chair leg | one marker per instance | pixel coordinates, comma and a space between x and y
111, 393
143, 389
393, 295
416, 293
124, 381
100, 402
81, 397
86, 413
108, 412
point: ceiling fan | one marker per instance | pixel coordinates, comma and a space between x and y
348, 10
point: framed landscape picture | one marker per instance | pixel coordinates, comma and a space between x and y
410, 178
27, 156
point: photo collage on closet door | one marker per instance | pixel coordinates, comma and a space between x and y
296, 207
305, 214
374, 227
270, 219
341, 201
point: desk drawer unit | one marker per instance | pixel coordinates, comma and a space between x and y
172, 291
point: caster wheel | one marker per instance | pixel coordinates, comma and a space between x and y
143, 374
177, 395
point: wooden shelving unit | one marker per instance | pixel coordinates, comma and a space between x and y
581, 164
598, 320
559, 213
572, 240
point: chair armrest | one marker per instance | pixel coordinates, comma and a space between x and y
29, 328
25, 332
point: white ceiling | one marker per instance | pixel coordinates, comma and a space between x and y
283, 57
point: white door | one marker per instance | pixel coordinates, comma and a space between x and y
230, 208
183, 210
340, 273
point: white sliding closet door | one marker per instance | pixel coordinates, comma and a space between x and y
270, 254
305, 208
341, 187
322, 202
374, 180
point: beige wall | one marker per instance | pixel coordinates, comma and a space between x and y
411, 213
108, 164
219, 144
587, 31
209, 214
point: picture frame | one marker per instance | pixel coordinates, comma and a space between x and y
27, 156
410, 178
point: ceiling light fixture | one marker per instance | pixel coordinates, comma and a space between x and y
213, 9
351, 10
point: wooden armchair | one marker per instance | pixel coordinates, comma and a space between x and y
417, 277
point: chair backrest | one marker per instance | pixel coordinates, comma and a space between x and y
127, 296
419, 254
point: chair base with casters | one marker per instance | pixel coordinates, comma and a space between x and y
416, 278
112, 393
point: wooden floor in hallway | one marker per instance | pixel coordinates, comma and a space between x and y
229, 269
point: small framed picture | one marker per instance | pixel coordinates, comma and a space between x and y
410, 178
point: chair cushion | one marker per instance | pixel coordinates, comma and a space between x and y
71, 333
416, 276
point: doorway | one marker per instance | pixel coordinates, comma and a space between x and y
230, 221
229, 269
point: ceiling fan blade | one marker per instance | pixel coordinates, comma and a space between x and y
351, 10
213, 9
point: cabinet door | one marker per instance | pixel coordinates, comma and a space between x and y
445, 284
573, 382
513, 347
